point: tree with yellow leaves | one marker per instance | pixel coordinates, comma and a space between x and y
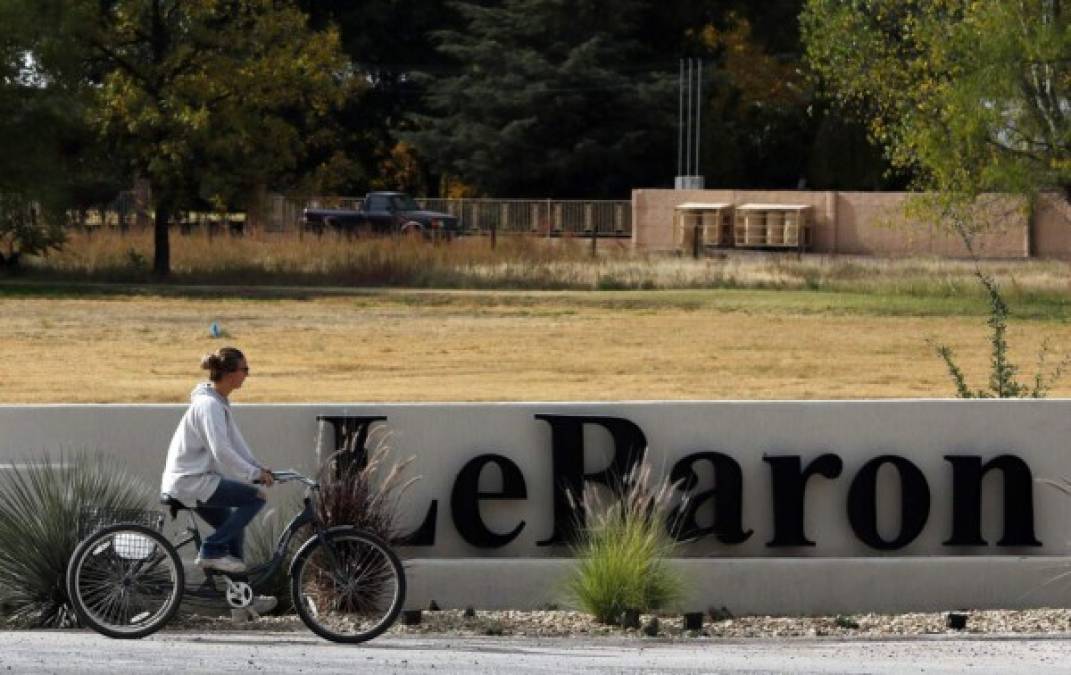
973, 95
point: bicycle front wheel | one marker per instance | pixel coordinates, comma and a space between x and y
125, 581
347, 586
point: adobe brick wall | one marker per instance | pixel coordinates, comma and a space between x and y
874, 223
1052, 228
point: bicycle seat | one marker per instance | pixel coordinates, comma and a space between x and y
173, 504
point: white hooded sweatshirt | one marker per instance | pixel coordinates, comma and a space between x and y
206, 446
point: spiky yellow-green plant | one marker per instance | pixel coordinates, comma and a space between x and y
40, 504
623, 547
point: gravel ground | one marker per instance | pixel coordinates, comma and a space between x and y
578, 624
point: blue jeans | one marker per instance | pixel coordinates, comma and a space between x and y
230, 508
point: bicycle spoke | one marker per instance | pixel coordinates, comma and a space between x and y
127, 583
352, 591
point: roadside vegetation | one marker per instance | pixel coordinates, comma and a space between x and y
622, 550
41, 503
527, 263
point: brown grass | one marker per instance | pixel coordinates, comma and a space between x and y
521, 262
473, 346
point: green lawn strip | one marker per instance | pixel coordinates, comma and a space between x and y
1024, 305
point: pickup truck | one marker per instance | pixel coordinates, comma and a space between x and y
382, 213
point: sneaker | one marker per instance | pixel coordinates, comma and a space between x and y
227, 563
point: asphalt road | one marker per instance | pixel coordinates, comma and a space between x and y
83, 652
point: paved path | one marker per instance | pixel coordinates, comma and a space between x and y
172, 652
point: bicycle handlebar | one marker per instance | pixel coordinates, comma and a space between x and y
287, 475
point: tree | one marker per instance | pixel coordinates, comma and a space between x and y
972, 96
385, 41
52, 158
206, 98
550, 98
23, 231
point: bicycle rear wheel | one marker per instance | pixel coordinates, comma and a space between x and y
125, 581
348, 586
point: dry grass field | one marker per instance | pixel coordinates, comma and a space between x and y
624, 325
137, 345
521, 263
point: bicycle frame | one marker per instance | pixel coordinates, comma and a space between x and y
264, 571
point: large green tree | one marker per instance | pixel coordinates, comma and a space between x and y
52, 160
545, 99
970, 94
206, 98
538, 97
385, 41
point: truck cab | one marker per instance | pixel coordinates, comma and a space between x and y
383, 213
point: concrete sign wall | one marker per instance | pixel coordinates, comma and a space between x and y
862, 482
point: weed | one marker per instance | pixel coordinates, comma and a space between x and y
136, 260
493, 628
846, 622
1003, 380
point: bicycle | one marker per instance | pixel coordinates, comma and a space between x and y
126, 579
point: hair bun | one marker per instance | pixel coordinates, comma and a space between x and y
210, 362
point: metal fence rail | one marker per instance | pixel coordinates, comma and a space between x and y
546, 217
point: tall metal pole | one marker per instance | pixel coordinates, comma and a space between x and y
688, 143
680, 121
698, 110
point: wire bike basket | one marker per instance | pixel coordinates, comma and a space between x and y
92, 519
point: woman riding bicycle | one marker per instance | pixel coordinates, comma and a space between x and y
211, 469
126, 579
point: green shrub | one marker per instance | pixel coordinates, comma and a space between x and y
622, 550
40, 503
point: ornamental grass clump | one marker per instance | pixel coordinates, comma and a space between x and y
622, 549
40, 505
364, 490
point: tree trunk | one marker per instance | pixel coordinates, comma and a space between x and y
161, 264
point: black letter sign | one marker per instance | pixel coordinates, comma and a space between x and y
914, 503
351, 435
727, 493
789, 489
567, 443
465, 500
967, 474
